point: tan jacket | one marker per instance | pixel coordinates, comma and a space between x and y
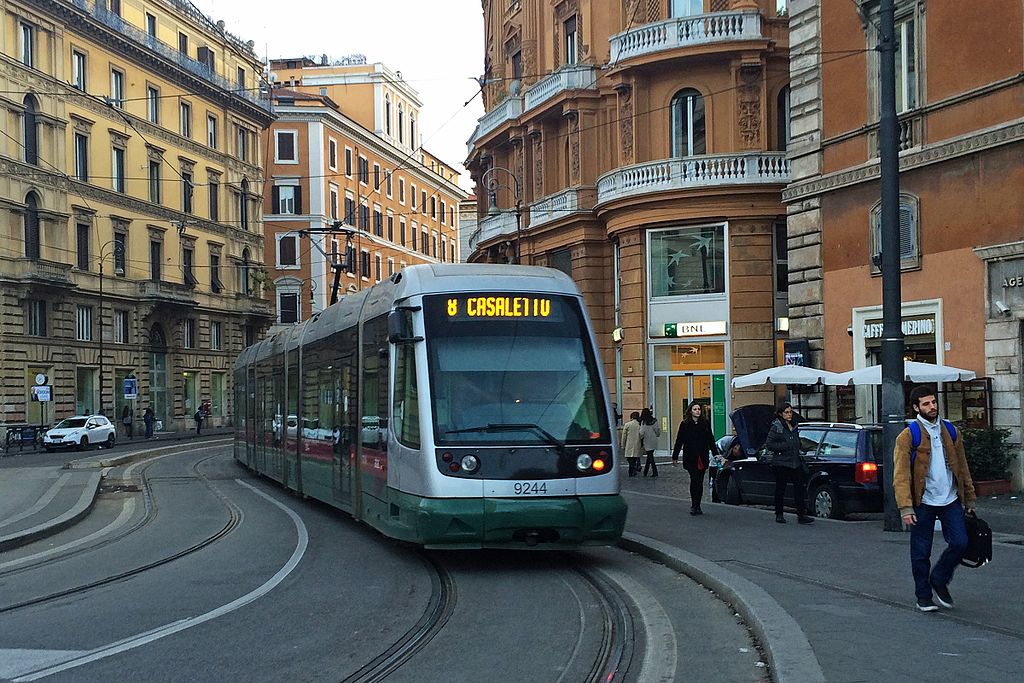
631, 445
909, 487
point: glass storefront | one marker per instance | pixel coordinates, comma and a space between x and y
158, 387
85, 391
687, 261
685, 373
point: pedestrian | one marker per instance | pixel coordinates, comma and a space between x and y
616, 414
787, 462
148, 418
198, 417
631, 444
650, 431
696, 441
933, 483
127, 417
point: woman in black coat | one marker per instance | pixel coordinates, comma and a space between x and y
696, 441
787, 462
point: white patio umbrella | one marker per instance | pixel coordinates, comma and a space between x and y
784, 374
913, 371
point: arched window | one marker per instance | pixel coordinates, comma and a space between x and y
412, 130
387, 114
782, 119
30, 124
243, 281
401, 124
688, 131
243, 205
31, 225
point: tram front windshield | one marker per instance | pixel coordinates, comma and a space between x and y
512, 368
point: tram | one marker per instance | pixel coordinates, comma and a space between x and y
450, 406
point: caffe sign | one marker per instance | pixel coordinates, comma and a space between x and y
910, 328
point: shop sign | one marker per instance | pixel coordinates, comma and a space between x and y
911, 328
699, 329
131, 388
42, 393
1013, 281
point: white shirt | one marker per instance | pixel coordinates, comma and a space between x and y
939, 488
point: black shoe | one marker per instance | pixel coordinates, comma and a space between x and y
942, 596
693, 511
780, 519
698, 511
926, 605
804, 519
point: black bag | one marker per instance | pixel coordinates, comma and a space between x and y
766, 456
979, 542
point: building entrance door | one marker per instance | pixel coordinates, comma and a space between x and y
685, 373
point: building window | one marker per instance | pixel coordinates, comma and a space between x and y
378, 221
910, 234
332, 154
27, 35
156, 251
335, 252
401, 231
364, 264
412, 197
215, 336
117, 88
84, 326
82, 239
81, 157
185, 110
243, 275
288, 307
188, 259
424, 240
214, 187
401, 190
121, 334
285, 147
30, 130
243, 205
423, 201
186, 192
364, 171
517, 65
387, 184
391, 226
348, 162
150, 24
433, 208
782, 119
287, 251
35, 317
401, 123
241, 143
32, 246
391, 267
117, 172
334, 202
376, 176
78, 69
443, 210
115, 6
561, 260
189, 327
240, 78
687, 8
364, 217
377, 267
350, 258
120, 254
687, 261
412, 130
211, 131
350, 210
287, 199
154, 181
781, 259
217, 403
569, 31
444, 247
152, 104
414, 232
906, 65
216, 286
387, 115
688, 128
182, 43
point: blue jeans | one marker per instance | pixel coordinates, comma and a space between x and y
953, 530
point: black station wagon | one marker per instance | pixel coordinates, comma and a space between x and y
845, 463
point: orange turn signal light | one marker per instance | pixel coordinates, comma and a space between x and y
598, 465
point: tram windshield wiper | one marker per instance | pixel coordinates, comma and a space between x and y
512, 427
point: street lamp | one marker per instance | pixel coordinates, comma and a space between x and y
492, 190
116, 250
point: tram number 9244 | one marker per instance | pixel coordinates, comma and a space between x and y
529, 488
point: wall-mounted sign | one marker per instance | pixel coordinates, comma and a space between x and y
42, 393
1011, 281
699, 329
796, 352
911, 328
131, 388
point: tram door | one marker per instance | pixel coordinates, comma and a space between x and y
290, 454
345, 374
248, 407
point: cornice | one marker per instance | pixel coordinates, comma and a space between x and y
945, 151
1000, 252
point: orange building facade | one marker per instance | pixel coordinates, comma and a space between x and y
346, 186
961, 139
640, 147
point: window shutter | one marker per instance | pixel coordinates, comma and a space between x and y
275, 200
298, 199
908, 232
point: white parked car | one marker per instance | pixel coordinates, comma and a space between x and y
81, 431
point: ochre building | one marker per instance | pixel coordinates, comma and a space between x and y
130, 188
639, 146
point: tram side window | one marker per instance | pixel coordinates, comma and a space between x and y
347, 386
375, 382
405, 408
312, 428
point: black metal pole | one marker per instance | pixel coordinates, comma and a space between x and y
519, 233
892, 333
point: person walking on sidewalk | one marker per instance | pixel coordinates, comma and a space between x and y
787, 462
148, 418
127, 417
696, 441
631, 444
650, 431
932, 483
198, 417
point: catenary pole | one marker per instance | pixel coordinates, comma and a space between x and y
892, 334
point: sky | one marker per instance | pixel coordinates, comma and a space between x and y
436, 44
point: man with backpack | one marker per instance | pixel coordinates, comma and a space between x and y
931, 481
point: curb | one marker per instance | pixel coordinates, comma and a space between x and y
789, 653
115, 461
53, 526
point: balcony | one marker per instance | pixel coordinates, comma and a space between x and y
560, 205
36, 270
575, 77
99, 12
494, 227
701, 29
508, 109
167, 293
712, 170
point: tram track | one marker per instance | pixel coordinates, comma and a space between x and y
235, 517
443, 598
615, 653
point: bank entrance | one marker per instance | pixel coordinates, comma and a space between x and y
684, 373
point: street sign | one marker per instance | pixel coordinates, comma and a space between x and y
131, 388
42, 393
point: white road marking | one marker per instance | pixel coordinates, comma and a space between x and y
14, 662
41, 503
133, 642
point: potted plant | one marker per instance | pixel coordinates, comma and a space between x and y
989, 457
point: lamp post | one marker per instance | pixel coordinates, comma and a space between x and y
492, 190
116, 250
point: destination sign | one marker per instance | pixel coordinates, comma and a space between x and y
499, 306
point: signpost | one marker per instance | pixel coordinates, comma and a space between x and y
131, 388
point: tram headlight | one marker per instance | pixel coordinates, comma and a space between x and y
583, 462
470, 464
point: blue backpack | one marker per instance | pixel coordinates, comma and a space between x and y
915, 437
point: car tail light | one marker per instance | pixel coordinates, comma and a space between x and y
867, 473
